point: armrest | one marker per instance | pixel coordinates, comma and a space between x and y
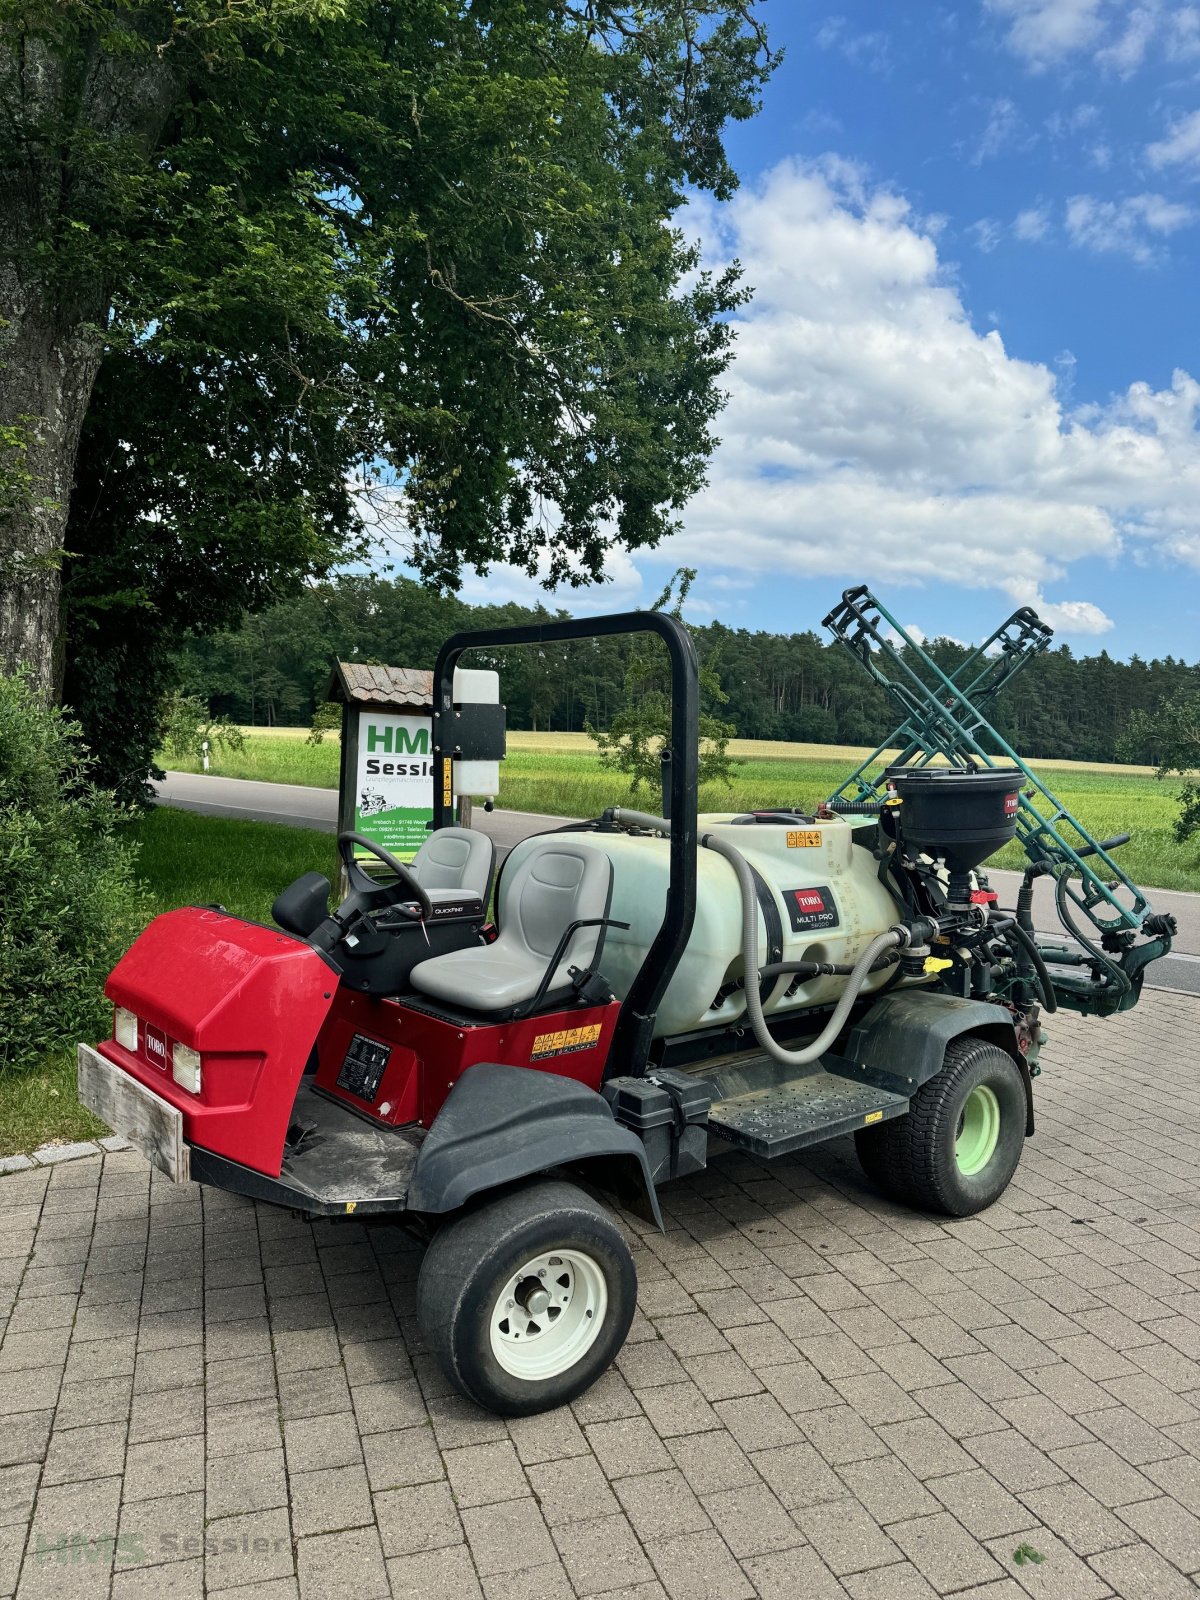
560, 951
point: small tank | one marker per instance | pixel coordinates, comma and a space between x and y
964, 817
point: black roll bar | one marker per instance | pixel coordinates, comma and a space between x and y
635, 1025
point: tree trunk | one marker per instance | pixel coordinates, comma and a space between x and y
46, 378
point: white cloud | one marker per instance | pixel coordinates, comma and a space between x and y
1002, 131
986, 233
1128, 50
1183, 34
1043, 32
870, 49
1032, 224
1180, 147
873, 431
1134, 226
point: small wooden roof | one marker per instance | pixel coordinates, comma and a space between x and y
388, 688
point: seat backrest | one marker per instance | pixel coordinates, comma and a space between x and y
459, 859
556, 882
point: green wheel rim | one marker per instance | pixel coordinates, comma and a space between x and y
978, 1131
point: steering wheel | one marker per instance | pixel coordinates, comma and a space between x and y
404, 876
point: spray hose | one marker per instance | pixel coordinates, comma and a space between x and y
878, 946
866, 963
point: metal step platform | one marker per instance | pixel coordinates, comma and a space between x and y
771, 1110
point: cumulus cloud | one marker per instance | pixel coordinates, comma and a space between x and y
1134, 226
1044, 32
873, 430
1032, 224
1180, 147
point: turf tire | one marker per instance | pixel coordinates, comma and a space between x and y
912, 1158
473, 1256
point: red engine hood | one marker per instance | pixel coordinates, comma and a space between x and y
250, 999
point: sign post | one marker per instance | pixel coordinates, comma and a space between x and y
387, 757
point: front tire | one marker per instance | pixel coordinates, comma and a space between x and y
527, 1300
958, 1147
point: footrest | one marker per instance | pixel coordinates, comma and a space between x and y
783, 1117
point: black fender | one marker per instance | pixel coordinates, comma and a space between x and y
901, 1041
500, 1124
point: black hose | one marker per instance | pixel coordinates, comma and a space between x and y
1120, 978
1039, 966
821, 969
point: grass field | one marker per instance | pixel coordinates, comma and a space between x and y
558, 774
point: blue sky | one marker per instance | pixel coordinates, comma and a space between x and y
965, 378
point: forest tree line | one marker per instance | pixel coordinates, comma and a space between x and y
275, 669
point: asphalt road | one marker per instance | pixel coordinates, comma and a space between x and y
304, 807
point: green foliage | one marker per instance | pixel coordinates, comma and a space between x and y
1172, 733
402, 267
188, 725
71, 902
638, 733
327, 718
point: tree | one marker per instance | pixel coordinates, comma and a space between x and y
637, 734
270, 270
1170, 736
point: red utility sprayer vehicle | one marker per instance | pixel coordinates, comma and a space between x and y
768, 979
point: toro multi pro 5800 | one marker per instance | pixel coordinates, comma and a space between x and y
649, 984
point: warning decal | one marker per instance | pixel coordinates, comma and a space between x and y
811, 908
566, 1042
804, 839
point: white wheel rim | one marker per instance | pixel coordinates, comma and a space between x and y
548, 1314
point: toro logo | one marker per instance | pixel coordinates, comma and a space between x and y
156, 1047
811, 907
1012, 804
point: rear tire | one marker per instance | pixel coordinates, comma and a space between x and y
958, 1147
527, 1300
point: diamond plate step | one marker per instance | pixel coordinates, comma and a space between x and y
782, 1117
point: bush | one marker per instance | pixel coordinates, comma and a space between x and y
187, 723
70, 901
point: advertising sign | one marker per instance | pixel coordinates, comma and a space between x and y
393, 783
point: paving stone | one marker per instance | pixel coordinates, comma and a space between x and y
180, 1580
886, 1489
482, 1473
251, 1481
150, 1467
751, 1520
420, 1517
1102, 1472
984, 1507
447, 1574
1061, 1575
407, 1456
1169, 1528
1136, 1572
549, 1437
696, 1566
845, 1537
627, 1446
510, 1537
168, 1527
573, 1490
81, 1454
799, 1574
326, 1441
328, 1499
347, 1563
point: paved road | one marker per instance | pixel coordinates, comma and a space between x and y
824, 1396
317, 808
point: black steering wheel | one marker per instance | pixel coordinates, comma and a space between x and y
405, 878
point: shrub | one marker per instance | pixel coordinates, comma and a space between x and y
187, 723
69, 900
327, 718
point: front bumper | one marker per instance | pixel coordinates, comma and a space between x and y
150, 1123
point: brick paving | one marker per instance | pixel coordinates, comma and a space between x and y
823, 1395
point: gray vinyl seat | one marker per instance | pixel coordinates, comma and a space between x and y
550, 884
454, 862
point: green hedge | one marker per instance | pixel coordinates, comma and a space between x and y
69, 899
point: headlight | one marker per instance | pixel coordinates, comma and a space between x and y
125, 1028
185, 1067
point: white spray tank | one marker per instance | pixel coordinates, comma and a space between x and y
828, 905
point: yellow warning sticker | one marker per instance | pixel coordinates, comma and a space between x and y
447, 782
804, 839
873, 1116
565, 1042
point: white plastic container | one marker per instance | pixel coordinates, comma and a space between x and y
827, 894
